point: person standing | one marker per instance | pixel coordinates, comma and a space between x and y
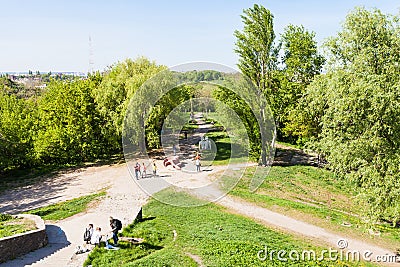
174, 149
197, 162
144, 171
137, 170
115, 225
154, 169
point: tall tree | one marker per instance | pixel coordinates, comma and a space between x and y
69, 126
116, 90
258, 56
300, 58
360, 102
17, 118
301, 63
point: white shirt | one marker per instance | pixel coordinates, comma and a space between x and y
95, 237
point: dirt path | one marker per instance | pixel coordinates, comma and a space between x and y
124, 199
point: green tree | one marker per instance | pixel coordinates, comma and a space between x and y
69, 125
300, 55
301, 63
357, 105
258, 56
17, 117
116, 90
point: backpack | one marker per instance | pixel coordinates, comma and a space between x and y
86, 235
118, 224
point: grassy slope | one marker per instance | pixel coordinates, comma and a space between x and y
216, 236
317, 196
65, 209
11, 226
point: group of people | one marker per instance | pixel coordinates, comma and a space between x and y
141, 170
92, 237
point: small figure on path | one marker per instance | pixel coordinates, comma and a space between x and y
137, 170
154, 169
197, 162
108, 246
115, 225
201, 143
144, 171
207, 143
174, 149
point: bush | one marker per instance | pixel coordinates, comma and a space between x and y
5, 217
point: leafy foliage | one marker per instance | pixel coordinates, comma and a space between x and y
355, 108
116, 90
17, 117
69, 126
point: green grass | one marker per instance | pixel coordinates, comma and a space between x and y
9, 225
65, 209
216, 236
316, 196
223, 155
190, 127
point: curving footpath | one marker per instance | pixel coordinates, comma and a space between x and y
124, 199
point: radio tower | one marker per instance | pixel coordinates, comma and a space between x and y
91, 60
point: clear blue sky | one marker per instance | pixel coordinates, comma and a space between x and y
54, 35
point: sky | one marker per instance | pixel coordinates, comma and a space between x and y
54, 35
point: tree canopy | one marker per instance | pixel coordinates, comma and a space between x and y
355, 108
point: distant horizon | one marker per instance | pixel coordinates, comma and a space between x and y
80, 36
34, 72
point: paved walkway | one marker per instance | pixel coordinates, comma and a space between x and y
123, 201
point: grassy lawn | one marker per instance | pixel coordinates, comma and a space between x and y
319, 197
9, 225
223, 155
213, 235
65, 209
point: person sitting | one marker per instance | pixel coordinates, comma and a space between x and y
173, 161
88, 233
96, 237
